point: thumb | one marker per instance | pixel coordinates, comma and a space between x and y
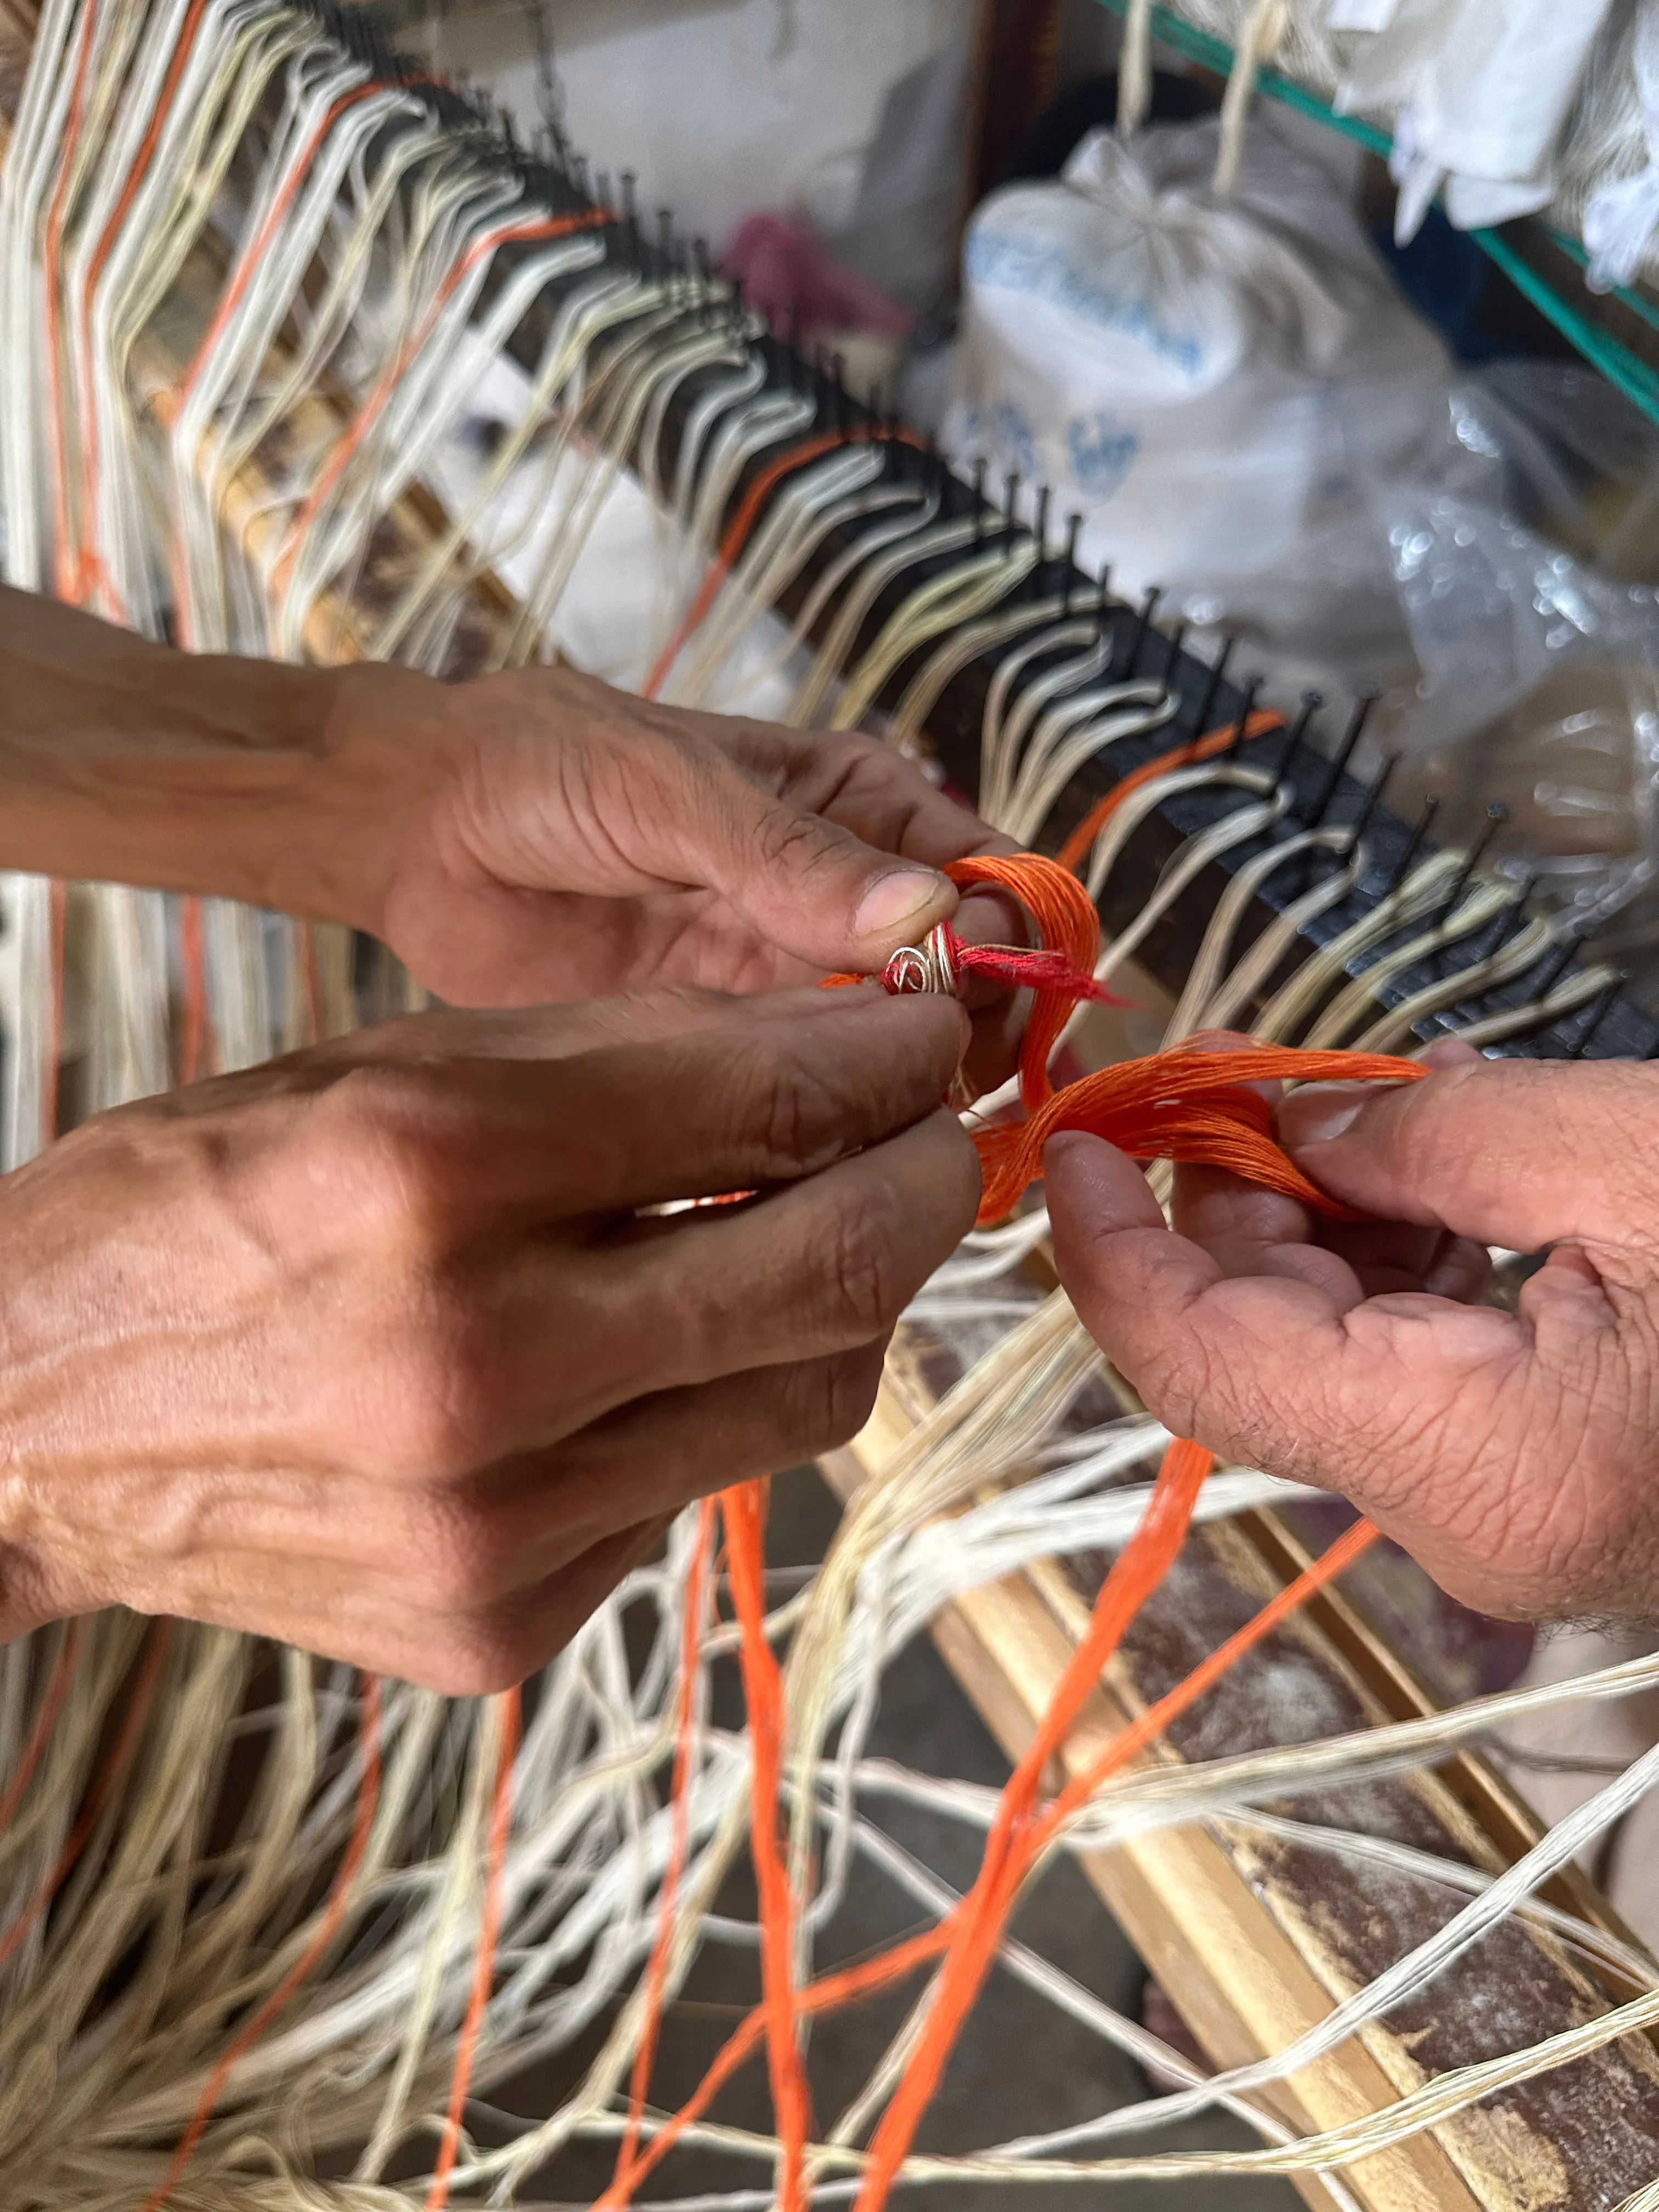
806, 885
1521, 1153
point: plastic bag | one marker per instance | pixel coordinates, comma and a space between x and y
1210, 385
1538, 679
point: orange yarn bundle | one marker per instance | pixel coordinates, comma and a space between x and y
1183, 1104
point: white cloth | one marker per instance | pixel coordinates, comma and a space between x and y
1479, 90
1622, 217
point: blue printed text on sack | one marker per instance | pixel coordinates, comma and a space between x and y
1016, 264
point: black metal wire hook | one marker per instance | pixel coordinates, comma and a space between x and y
1246, 708
1143, 625
1368, 806
1413, 845
1212, 685
1344, 753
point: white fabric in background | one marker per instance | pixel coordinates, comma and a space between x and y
1212, 386
1481, 89
1620, 217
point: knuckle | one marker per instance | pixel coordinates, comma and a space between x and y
373, 1153
867, 1291
435, 1407
775, 1107
795, 842
457, 1559
845, 1399
482, 1660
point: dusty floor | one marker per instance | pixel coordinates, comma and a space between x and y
1021, 2067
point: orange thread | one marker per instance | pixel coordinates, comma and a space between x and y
737, 532
101, 252
684, 1728
743, 1509
192, 954
67, 569
1078, 844
1323, 1570
483, 1975
368, 1796
825, 1995
1066, 923
1182, 1105
1009, 1851
872, 1975
52, 1704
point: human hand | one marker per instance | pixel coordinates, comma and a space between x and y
370, 1349
1514, 1455
534, 835
519, 839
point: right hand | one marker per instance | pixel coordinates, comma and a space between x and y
370, 1349
1514, 1455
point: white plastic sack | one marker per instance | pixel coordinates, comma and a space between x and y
1212, 386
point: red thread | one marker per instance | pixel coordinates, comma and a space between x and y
52, 1703
1059, 970
1183, 1104
132, 1727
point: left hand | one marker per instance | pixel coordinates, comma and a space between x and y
535, 835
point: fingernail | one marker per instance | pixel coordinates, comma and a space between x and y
1317, 1112
894, 901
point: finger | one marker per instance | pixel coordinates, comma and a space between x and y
556, 1032
821, 1266
884, 798
1385, 1255
1247, 1230
519, 1353
758, 1101
1280, 1373
527, 1517
367, 1620
1513, 1152
1165, 1312
784, 859
1460, 1269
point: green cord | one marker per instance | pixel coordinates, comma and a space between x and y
1622, 367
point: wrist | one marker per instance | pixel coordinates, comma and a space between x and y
246, 779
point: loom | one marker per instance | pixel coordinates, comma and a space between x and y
244, 1891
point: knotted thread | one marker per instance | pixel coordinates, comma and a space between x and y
1183, 1104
